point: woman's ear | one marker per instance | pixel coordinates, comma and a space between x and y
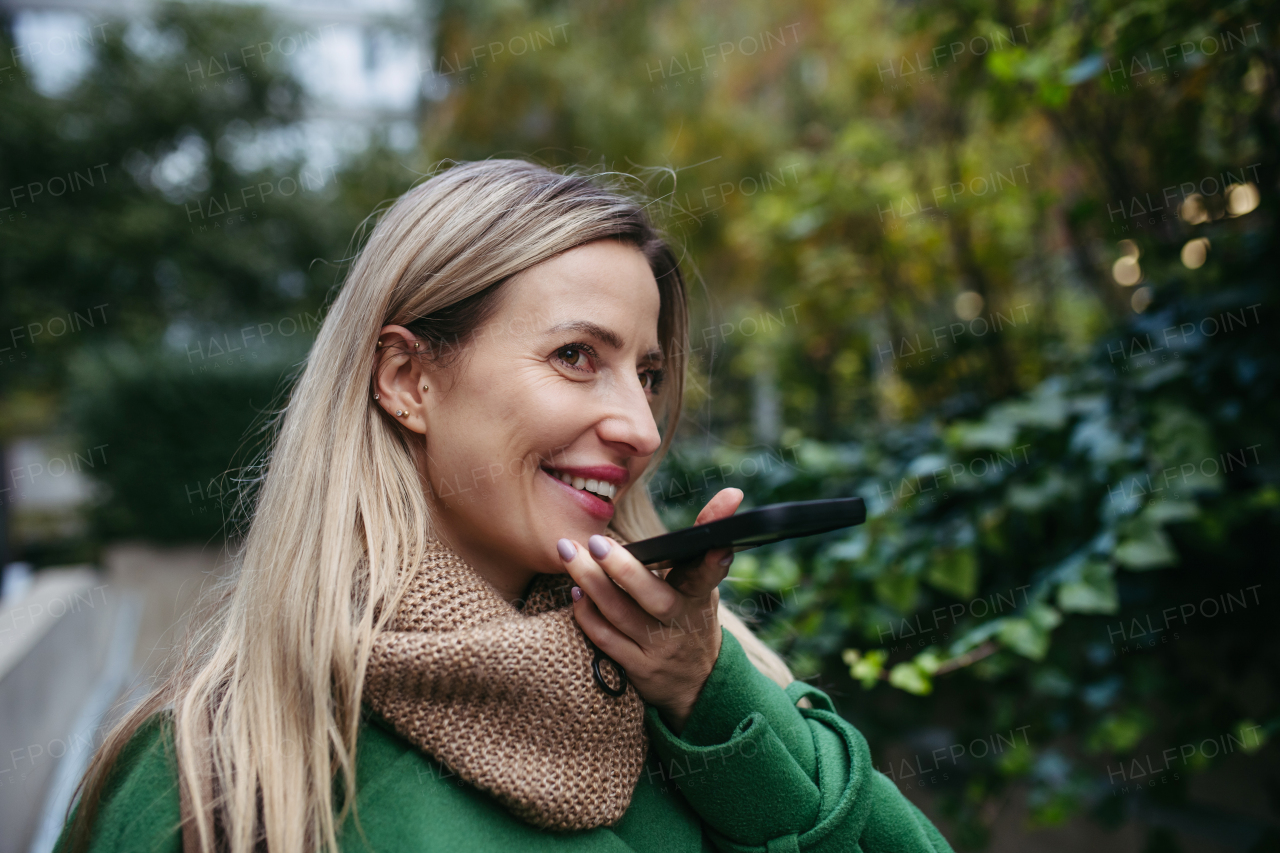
401, 379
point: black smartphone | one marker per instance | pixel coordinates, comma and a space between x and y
750, 529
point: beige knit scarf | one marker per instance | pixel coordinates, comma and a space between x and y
505, 696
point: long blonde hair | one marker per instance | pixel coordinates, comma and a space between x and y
275, 676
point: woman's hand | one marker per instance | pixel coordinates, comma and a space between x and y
665, 632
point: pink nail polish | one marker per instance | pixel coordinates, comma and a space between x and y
576, 593
599, 546
566, 549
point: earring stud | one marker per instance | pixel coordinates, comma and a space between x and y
415, 344
425, 388
376, 397
399, 413
379, 343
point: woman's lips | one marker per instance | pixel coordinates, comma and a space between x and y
595, 506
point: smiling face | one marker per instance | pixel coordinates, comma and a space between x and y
558, 385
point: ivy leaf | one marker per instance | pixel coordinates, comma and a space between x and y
865, 668
1163, 512
1025, 638
1029, 636
911, 678
1151, 549
928, 661
1093, 591
1044, 616
954, 571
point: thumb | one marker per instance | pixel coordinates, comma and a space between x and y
723, 505
699, 576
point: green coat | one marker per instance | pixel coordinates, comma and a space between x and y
750, 772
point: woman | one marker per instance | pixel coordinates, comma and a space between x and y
414, 653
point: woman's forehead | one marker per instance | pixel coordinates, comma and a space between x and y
607, 292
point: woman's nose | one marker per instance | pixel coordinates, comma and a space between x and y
630, 420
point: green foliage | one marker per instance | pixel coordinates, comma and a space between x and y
1090, 506
175, 438
149, 251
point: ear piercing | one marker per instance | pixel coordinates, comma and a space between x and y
400, 414
425, 388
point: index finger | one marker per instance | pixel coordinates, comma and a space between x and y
654, 595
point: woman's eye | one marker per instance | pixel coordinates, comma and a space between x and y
573, 356
655, 380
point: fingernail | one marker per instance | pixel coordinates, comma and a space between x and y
726, 559
566, 549
576, 593
599, 546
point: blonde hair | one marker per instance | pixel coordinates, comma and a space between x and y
275, 676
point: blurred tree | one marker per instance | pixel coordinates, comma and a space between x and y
143, 208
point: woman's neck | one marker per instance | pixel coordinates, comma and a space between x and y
507, 577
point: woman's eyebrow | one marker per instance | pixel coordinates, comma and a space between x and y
607, 336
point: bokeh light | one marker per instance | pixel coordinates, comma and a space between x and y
1193, 211
1195, 252
968, 305
1242, 199
1141, 299
1126, 271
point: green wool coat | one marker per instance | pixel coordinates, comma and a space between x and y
750, 772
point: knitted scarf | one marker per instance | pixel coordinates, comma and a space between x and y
505, 696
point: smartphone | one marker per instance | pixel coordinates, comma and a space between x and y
750, 529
